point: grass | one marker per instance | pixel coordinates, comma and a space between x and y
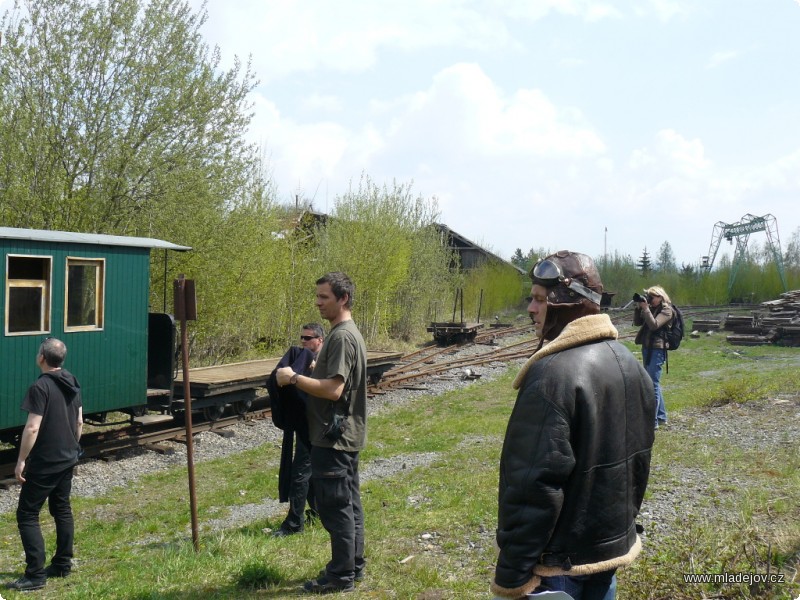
430, 528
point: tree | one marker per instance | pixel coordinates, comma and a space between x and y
665, 260
115, 118
791, 259
518, 258
644, 264
383, 238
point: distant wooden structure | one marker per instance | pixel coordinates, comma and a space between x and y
471, 255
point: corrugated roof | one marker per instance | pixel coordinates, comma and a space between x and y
72, 237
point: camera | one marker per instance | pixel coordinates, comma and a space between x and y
637, 297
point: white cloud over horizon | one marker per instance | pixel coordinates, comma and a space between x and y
534, 123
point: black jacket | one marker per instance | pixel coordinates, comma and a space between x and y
288, 407
56, 396
575, 461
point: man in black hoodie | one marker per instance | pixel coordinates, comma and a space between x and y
47, 455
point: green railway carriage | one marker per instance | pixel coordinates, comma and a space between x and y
92, 292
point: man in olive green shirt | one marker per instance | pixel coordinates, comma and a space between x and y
336, 408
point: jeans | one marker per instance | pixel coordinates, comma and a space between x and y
55, 488
599, 586
653, 359
301, 489
336, 487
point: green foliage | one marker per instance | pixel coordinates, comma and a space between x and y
754, 282
526, 261
384, 239
257, 575
493, 288
665, 260
645, 264
114, 118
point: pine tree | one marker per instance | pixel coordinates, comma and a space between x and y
644, 263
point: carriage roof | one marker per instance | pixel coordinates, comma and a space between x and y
72, 237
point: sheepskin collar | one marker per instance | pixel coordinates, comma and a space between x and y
578, 332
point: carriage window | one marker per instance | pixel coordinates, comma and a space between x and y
27, 294
85, 284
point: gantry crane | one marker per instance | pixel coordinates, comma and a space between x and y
741, 230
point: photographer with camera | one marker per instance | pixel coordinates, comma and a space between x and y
653, 312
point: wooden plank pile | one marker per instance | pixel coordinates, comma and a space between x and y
777, 322
706, 324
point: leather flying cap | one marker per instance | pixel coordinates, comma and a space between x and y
569, 277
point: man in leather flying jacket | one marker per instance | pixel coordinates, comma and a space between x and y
576, 456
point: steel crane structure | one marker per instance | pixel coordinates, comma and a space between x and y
741, 230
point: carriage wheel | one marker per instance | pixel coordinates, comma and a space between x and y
242, 407
214, 412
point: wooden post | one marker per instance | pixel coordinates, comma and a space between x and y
186, 308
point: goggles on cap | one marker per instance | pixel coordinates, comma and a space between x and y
548, 273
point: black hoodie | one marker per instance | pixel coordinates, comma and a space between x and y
56, 396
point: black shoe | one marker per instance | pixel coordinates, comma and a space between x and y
321, 585
281, 532
54, 571
359, 575
23, 584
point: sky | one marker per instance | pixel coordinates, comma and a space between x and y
600, 126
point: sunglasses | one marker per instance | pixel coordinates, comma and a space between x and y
308, 338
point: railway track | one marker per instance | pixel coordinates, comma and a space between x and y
435, 361
410, 371
138, 435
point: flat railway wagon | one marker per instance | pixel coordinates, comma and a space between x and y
92, 291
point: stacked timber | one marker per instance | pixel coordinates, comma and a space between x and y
777, 322
739, 322
706, 324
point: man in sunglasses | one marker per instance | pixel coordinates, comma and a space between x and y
576, 455
298, 480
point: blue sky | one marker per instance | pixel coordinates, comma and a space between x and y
535, 123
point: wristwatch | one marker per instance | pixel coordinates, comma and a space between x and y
293, 379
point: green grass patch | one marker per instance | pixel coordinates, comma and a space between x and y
430, 528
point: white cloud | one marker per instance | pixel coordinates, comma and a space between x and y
721, 57
322, 103
671, 152
572, 63
533, 10
666, 10
302, 156
464, 112
346, 36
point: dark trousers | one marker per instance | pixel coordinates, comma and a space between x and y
55, 488
336, 486
300, 489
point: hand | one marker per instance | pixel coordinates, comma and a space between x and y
19, 470
283, 375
